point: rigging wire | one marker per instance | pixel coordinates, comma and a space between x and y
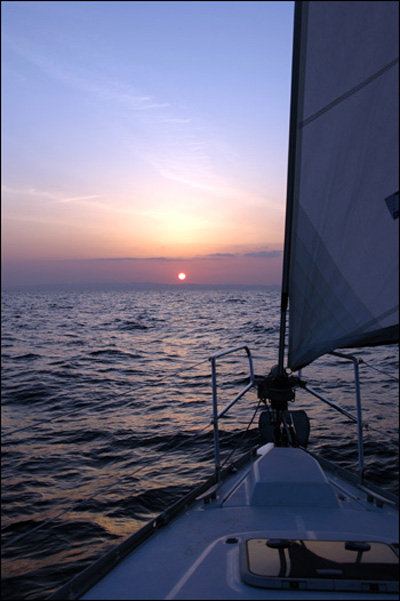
381, 371
96, 494
116, 396
242, 435
114, 483
143, 466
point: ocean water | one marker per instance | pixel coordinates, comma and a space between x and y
106, 409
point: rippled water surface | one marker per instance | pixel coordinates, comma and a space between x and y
106, 405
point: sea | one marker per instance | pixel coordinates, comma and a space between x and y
107, 409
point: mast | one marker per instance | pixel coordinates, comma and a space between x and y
298, 14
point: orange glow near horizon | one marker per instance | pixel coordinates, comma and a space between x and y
158, 180
182, 276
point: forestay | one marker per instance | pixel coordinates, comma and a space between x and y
342, 281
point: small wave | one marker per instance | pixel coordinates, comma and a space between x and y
27, 356
128, 326
85, 436
124, 394
240, 301
20, 526
114, 353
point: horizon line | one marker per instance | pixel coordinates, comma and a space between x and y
130, 285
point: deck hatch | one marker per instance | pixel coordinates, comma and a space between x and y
319, 565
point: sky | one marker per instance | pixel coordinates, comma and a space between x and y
144, 139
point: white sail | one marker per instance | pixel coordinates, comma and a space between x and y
343, 276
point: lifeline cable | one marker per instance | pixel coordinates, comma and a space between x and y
96, 494
56, 417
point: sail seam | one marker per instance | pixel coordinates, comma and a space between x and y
349, 93
377, 320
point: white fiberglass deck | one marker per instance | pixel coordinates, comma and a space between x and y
218, 548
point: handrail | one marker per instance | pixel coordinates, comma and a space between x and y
358, 418
216, 414
356, 363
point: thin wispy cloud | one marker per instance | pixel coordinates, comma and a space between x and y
79, 198
86, 80
183, 143
265, 254
129, 137
55, 197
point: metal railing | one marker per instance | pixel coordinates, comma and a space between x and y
217, 414
355, 418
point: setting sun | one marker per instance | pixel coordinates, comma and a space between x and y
182, 276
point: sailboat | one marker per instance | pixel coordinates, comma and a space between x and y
281, 522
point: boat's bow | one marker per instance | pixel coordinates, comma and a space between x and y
281, 527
